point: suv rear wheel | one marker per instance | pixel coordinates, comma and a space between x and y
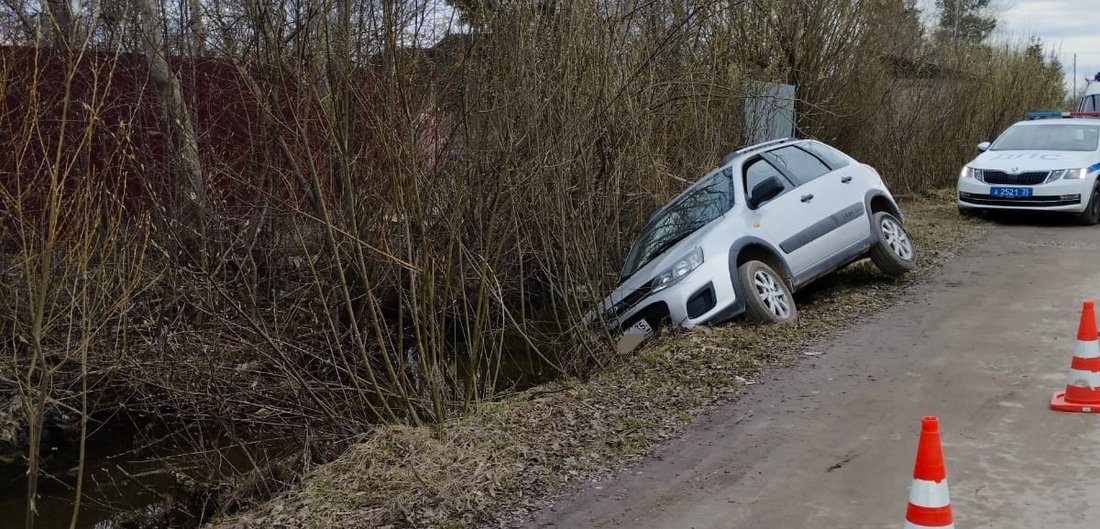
767, 298
893, 253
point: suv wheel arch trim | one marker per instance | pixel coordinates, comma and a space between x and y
891, 208
736, 248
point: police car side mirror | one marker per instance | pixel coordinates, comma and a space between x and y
983, 146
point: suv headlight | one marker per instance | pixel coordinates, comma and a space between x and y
678, 270
1068, 174
970, 172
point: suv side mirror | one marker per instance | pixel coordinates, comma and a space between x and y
984, 146
765, 191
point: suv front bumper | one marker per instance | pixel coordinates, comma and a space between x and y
704, 297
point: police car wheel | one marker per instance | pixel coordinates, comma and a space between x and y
894, 252
1091, 215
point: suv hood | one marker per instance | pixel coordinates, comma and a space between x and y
1018, 161
644, 275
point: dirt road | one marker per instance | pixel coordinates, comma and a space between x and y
830, 443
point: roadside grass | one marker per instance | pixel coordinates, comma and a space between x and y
503, 460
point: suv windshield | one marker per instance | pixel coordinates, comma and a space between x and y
1069, 137
702, 203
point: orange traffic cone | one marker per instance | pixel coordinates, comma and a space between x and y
929, 501
1082, 392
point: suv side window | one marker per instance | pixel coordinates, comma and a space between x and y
759, 170
803, 166
829, 155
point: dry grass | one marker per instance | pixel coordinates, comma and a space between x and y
505, 456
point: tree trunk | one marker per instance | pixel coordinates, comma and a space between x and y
187, 171
197, 28
61, 21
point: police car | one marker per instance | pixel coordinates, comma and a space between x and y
1048, 162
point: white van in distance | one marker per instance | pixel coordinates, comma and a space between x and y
1090, 100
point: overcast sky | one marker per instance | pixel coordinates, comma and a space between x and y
1065, 26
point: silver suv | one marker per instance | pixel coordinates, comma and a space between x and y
771, 219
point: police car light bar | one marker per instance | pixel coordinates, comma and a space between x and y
1049, 115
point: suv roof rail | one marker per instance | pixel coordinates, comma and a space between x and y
753, 147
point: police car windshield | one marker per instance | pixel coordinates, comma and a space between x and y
1062, 137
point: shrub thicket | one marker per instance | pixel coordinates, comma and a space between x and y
281, 215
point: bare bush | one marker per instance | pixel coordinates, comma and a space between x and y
294, 218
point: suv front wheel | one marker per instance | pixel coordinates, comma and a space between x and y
893, 253
767, 298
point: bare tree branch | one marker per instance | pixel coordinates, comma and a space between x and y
19, 9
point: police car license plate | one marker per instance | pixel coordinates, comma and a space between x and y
1010, 192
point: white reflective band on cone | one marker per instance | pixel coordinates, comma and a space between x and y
929, 494
1089, 349
1084, 379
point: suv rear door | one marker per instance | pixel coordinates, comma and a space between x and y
837, 197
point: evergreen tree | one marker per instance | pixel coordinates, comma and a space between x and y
965, 20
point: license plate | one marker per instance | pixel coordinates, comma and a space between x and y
642, 327
1010, 192
634, 336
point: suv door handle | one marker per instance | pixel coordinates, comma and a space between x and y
807, 198
846, 179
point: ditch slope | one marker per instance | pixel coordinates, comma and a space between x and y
503, 462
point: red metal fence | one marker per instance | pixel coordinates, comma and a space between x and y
100, 116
